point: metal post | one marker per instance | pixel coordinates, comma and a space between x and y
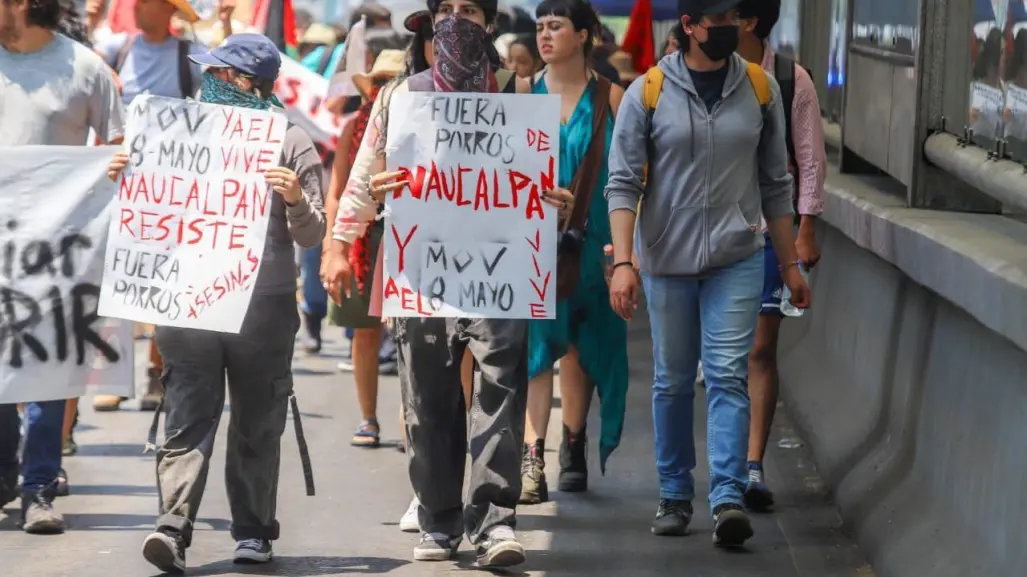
943, 80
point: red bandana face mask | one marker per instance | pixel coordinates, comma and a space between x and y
461, 57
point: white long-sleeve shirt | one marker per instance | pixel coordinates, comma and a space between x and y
357, 209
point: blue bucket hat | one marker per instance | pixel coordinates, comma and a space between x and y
252, 54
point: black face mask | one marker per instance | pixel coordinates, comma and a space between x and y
721, 42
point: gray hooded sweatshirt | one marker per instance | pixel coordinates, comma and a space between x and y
710, 175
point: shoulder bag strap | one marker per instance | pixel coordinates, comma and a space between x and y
185, 71
122, 55
584, 182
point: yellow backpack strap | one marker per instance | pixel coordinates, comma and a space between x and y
651, 89
652, 86
760, 83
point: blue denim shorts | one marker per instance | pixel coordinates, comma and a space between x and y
773, 284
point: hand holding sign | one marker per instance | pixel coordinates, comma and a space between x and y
117, 165
284, 182
562, 199
383, 183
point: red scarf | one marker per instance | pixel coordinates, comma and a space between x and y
360, 256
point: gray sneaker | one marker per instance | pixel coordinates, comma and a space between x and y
436, 547
500, 548
165, 551
39, 518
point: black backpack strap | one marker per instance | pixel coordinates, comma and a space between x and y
784, 73
326, 59
185, 70
122, 55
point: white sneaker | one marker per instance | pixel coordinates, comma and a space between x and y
251, 551
409, 523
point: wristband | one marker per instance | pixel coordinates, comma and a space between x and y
788, 265
622, 263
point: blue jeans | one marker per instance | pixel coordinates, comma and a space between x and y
714, 315
41, 460
315, 299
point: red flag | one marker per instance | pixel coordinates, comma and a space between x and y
279, 22
638, 39
121, 16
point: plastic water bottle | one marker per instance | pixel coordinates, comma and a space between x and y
608, 257
787, 308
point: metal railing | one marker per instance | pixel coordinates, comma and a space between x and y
1003, 180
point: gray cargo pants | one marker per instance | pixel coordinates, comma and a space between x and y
430, 351
258, 364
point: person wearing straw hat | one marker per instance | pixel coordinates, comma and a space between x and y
388, 65
147, 62
368, 358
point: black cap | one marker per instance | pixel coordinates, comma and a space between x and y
705, 7
489, 7
415, 21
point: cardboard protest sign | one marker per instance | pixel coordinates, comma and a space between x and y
303, 93
54, 214
470, 236
191, 213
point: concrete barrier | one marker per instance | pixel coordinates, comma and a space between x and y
912, 397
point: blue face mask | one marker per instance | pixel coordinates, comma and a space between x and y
213, 90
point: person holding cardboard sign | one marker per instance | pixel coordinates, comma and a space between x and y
257, 361
436, 424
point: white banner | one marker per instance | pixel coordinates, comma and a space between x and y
470, 236
54, 213
191, 213
303, 93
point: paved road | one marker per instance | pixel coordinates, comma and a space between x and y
349, 528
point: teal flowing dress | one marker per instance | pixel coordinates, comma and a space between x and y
585, 320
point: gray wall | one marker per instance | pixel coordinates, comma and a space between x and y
909, 379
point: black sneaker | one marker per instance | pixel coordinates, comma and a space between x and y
437, 547
534, 489
62, 487
672, 518
731, 526
573, 462
9, 489
500, 548
253, 551
165, 550
758, 497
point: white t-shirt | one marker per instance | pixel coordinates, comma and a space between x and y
54, 96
